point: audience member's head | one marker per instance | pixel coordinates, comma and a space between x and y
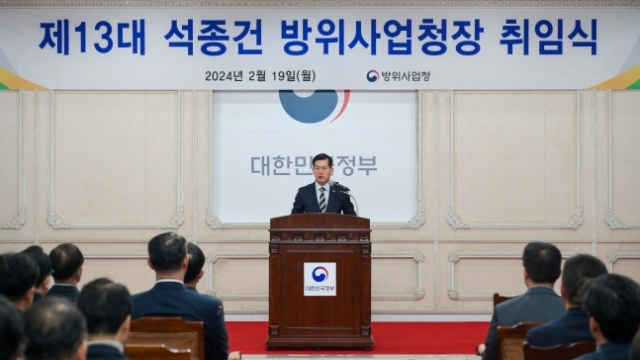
613, 304
577, 270
44, 264
107, 308
12, 340
18, 276
168, 253
634, 354
541, 263
55, 330
196, 262
66, 262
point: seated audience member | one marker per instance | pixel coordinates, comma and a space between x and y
55, 330
541, 263
169, 297
613, 304
573, 326
44, 264
18, 276
107, 308
12, 340
635, 348
194, 269
66, 262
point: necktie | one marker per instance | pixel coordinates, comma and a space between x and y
323, 201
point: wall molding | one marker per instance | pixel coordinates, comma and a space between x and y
95, 240
613, 257
436, 195
419, 292
414, 223
115, 255
610, 218
194, 164
454, 257
574, 222
318, 4
212, 258
56, 222
21, 217
514, 240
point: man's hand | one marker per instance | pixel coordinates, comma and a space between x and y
479, 349
236, 355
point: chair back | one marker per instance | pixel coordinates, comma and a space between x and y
172, 332
155, 352
559, 352
497, 299
511, 338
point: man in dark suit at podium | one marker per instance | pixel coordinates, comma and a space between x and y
320, 196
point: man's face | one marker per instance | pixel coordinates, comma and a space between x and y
322, 171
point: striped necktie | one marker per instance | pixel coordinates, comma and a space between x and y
323, 201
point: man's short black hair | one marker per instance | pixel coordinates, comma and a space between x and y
18, 275
578, 269
55, 329
542, 262
66, 259
196, 262
105, 305
323, 156
42, 260
167, 251
614, 302
12, 340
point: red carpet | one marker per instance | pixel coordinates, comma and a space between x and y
434, 338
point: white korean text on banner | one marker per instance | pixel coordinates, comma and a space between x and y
320, 279
263, 143
308, 49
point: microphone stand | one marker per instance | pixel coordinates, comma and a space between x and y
354, 200
345, 190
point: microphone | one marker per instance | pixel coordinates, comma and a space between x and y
340, 187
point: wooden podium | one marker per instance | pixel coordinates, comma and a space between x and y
340, 321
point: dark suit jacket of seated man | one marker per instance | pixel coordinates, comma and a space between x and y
169, 296
172, 298
573, 326
308, 199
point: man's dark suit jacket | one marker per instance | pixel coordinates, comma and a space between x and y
70, 293
570, 328
307, 201
173, 299
539, 303
104, 352
609, 351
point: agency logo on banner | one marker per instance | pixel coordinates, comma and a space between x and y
320, 279
314, 108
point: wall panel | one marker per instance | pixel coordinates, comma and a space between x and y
12, 160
